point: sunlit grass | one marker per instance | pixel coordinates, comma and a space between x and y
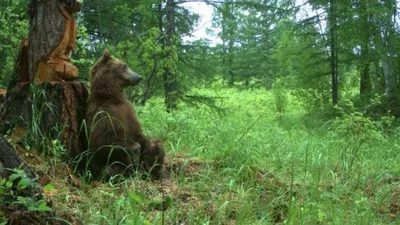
245, 165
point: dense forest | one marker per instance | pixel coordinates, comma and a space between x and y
286, 114
323, 52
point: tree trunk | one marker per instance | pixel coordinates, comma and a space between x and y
3, 94
170, 82
46, 25
334, 54
388, 57
231, 31
268, 83
390, 81
40, 108
231, 73
49, 108
365, 76
230, 59
54, 109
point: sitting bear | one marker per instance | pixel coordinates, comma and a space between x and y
117, 144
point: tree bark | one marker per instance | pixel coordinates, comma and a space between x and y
48, 106
390, 81
170, 82
42, 107
3, 94
388, 57
334, 55
365, 76
228, 33
46, 30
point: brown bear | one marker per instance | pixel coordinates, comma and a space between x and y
117, 144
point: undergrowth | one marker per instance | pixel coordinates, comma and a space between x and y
249, 164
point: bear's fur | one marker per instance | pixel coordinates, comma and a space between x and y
117, 144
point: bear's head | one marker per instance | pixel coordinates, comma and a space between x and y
109, 72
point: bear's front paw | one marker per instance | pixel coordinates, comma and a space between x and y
152, 159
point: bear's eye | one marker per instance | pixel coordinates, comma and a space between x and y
125, 67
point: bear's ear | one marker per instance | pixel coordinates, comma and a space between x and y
106, 54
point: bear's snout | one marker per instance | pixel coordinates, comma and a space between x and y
134, 78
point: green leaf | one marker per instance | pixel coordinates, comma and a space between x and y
137, 198
40, 206
2, 190
43, 207
14, 176
146, 222
24, 183
49, 187
9, 184
3, 222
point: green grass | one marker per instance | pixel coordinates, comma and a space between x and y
248, 164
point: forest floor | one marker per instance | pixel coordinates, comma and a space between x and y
259, 158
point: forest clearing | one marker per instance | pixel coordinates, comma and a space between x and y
289, 114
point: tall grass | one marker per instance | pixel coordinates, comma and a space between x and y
248, 166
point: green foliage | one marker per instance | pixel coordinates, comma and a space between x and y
12, 187
257, 159
357, 126
137, 202
139, 37
303, 63
24, 181
81, 54
326, 172
48, 143
281, 99
356, 133
244, 166
248, 37
32, 205
13, 30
